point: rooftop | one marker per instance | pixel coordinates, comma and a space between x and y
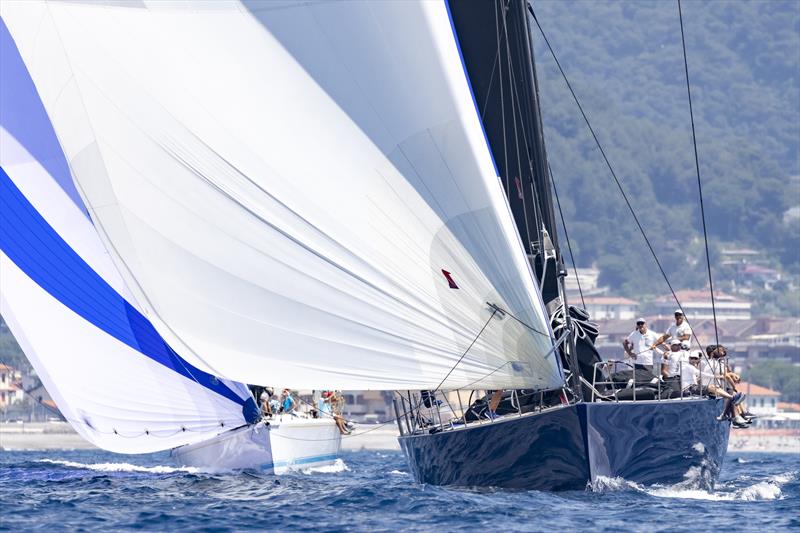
789, 407
694, 296
751, 389
609, 300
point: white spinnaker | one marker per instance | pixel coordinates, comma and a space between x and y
283, 185
114, 396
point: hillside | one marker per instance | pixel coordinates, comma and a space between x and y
624, 60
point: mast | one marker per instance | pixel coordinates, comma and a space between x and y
500, 61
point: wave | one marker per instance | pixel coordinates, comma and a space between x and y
398, 473
123, 467
768, 489
336, 467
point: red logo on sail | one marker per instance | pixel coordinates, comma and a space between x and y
449, 279
519, 188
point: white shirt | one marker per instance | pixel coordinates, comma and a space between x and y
710, 369
641, 346
674, 362
676, 332
689, 374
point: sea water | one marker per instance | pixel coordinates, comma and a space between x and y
373, 491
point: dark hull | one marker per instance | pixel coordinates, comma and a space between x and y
568, 447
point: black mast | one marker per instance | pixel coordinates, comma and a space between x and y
498, 53
497, 48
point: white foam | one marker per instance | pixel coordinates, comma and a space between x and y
769, 489
699, 447
336, 467
123, 467
398, 473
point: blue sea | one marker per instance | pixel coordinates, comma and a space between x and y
372, 491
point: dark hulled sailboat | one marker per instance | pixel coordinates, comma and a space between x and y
547, 444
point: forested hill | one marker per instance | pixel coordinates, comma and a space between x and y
624, 60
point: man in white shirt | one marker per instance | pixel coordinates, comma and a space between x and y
680, 330
638, 346
671, 361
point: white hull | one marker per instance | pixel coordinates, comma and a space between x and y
283, 444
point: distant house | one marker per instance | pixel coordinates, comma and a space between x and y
367, 406
587, 278
738, 256
757, 276
760, 400
611, 308
697, 305
10, 386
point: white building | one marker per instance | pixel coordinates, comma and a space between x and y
697, 305
10, 386
760, 400
586, 276
611, 308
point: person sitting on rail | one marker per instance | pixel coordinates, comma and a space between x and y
265, 398
638, 347
717, 370
326, 409
680, 330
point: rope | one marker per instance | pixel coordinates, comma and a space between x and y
610, 168
566, 234
494, 312
697, 168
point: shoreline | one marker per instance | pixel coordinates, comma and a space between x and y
40, 436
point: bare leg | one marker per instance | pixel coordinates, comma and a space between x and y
495, 401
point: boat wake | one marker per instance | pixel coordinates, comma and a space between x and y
768, 489
335, 468
123, 467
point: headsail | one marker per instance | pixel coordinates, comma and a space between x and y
297, 194
112, 376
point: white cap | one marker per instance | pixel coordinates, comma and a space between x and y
673, 342
685, 345
678, 312
640, 319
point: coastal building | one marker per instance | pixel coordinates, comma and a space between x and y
367, 406
697, 305
611, 307
760, 400
586, 278
11, 390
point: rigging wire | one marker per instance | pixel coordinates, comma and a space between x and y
608, 164
494, 312
697, 168
566, 235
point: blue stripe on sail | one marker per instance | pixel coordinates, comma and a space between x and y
24, 117
469, 84
37, 249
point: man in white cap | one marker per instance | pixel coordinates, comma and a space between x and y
638, 347
671, 360
680, 330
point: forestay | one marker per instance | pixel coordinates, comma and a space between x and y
114, 379
297, 194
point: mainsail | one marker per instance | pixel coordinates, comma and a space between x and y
116, 381
296, 193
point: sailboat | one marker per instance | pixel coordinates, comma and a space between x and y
312, 194
114, 378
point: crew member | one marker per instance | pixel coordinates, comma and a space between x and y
680, 330
638, 346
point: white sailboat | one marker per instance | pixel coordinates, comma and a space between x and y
113, 377
305, 194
